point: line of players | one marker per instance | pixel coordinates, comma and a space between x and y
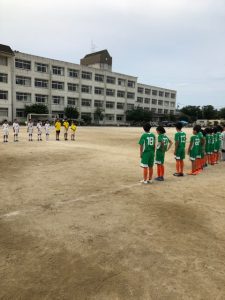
39, 127
207, 146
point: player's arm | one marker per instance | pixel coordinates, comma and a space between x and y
141, 150
189, 147
170, 144
176, 147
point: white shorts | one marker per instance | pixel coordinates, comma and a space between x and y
6, 132
16, 131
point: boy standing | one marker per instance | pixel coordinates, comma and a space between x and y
47, 130
16, 129
39, 130
57, 129
223, 143
5, 128
73, 130
179, 152
193, 150
147, 153
30, 130
66, 128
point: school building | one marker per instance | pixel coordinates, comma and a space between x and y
27, 79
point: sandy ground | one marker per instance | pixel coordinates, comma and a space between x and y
75, 223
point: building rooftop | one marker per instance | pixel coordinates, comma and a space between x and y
4, 49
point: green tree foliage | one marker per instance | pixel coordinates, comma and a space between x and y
193, 112
222, 113
36, 109
98, 114
71, 112
86, 119
209, 112
138, 114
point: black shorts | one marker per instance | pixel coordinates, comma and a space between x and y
58, 131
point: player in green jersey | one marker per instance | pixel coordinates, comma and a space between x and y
179, 152
219, 146
147, 153
193, 150
208, 144
201, 150
164, 144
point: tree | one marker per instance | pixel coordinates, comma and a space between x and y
222, 113
193, 112
138, 115
98, 114
209, 112
86, 119
71, 112
36, 109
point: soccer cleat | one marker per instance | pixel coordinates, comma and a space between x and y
150, 181
159, 178
176, 174
144, 181
191, 173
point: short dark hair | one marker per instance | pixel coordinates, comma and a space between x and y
161, 129
197, 128
179, 125
147, 127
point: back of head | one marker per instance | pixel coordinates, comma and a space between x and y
197, 128
161, 129
179, 125
146, 127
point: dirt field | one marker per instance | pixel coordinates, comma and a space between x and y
75, 223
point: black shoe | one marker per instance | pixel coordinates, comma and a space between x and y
176, 174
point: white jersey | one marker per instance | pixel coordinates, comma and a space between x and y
16, 128
47, 128
39, 128
223, 140
5, 128
30, 127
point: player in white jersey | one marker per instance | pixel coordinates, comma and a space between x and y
47, 130
39, 130
30, 128
5, 127
16, 129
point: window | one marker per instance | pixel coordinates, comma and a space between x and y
146, 108
121, 81
3, 112
23, 80
99, 77
86, 75
130, 106
99, 91
3, 95
167, 94
41, 98
24, 97
147, 91
160, 102
147, 100
72, 87
109, 104
172, 112
160, 111
23, 64
20, 113
86, 89
165, 111
98, 103
119, 117
131, 83
43, 68
109, 117
154, 92
110, 92
139, 99
119, 105
120, 94
111, 80
41, 83
172, 104
72, 101
130, 95
86, 102
57, 70
58, 85
140, 90
3, 78
73, 73
161, 94
153, 109
3, 61
154, 101
57, 100
166, 103
173, 96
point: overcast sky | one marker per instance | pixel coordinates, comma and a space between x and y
177, 44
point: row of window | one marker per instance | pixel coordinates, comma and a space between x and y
155, 102
146, 91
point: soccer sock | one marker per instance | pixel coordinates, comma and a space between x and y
181, 166
178, 166
159, 170
150, 170
162, 170
145, 174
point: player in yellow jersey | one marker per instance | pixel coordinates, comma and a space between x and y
57, 129
73, 128
66, 128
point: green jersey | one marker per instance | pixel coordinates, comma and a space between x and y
163, 142
208, 143
194, 151
180, 137
147, 140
